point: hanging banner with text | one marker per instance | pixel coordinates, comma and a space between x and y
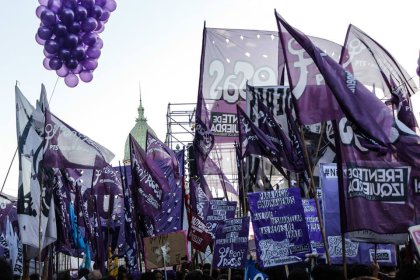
281, 234
314, 230
165, 250
218, 212
231, 243
356, 252
198, 235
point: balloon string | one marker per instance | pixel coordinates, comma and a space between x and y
52, 93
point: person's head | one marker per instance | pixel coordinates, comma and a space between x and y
194, 275
94, 275
207, 266
298, 274
34, 276
64, 275
157, 275
122, 273
83, 272
326, 272
358, 270
408, 272
5, 269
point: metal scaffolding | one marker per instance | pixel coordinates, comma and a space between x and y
180, 120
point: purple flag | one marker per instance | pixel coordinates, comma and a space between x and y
373, 143
281, 234
198, 200
197, 233
162, 154
131, 242
356, 252
65, 147
314, 231
287, 156
148, 184
372, 65
253, 141
170, 218
231, 244
218, 212
403, 105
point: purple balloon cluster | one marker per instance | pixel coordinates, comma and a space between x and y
69, 32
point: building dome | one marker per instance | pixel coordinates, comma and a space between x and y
139, 132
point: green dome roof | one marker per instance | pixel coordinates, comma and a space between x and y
139, 132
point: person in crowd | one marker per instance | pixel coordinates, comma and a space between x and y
5, 269
65, 275
326, 272
358, 270
298, 274
83, 272
408, 271
94, 275
157, 275
122, 273
34, 276
194, 275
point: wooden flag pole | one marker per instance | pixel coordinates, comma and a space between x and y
318, 210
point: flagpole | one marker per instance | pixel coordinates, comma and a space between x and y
318, 210
341, 196
319, 145
41, 185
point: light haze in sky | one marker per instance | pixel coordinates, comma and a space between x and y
158, 43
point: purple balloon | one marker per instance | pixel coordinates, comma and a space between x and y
72, 63
100, 2
90, 38
54, 5
43, 2
63, 71
51, 46
89, 24
101, 27
75, 27
93, 53
111, 5
39, 40
99, 44
80, 13
48, 17
97, 11
60, 30
71, 80
44, 33
78, 53
46, 63
39, 11
86, 76
88, 4
55, 63
64, 54
70, 3
105, 15
90, 64
67, 16
78, 69
71, 41
47, 54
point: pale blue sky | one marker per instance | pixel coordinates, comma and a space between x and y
159, 43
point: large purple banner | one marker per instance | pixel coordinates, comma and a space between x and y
231, 243
281, 234
356, 252
218, 212
312, 221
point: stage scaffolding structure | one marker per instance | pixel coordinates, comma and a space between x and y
180, 122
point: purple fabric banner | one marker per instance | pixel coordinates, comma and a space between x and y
356, 252
198, 200
170, 218
148, 185
281, 234
373, 143
131, 242
268, 125
65, 147
198, 234
314, 231
218, 212
231, 243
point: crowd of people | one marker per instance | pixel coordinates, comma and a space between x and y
407, 270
